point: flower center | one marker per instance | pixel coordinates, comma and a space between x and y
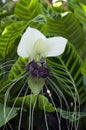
39, 70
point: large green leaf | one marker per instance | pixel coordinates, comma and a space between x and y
32, 100
83, 68
81, 16
39, 23
67, 70
27, 9
18, 68
6, 114
82, 1
16, 77
8, 48
68, 27
79, 12
83, 71
8, 38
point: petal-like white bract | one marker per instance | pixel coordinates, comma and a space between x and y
27, 41
49, 47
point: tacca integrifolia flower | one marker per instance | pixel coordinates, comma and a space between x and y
36, 47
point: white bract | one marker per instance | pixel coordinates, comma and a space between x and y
34, 44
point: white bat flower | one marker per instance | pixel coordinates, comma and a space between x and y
35, 45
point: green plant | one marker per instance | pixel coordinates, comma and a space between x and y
63, 97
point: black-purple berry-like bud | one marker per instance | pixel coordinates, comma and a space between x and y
40, 71
32, 65
35, 73
43, 71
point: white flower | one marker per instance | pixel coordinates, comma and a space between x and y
34, 44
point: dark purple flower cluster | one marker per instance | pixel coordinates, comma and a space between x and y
40, 71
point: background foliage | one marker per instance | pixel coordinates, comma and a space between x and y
68, 71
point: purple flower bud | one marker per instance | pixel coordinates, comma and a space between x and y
35, 73
40, 71
43, 71
31, 66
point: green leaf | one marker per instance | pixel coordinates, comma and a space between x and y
83, 68
39, 19
8, 38
79, 14
39, 23
71, 116
27, 9
16, 78
68, 27
83, 7
6, 115
82, 1
3, 15
83, 71
18, 68
84, 82
12, 73
40, 102
44, 104
36, 84
66, 69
